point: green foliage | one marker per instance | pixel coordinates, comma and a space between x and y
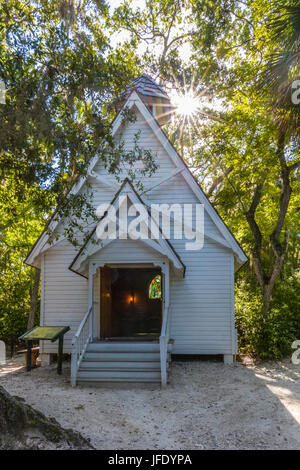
282, 67
15, 288
271, 337
61, 78
21, 221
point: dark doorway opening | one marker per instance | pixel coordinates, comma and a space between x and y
128, 309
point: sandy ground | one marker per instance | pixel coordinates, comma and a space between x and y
207, 405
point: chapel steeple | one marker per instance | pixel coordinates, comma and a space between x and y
153, 96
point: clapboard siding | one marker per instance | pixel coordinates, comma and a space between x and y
201, 304
172, 191
126, 250
65, 294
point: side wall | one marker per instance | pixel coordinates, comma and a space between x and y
64, 296
202, 304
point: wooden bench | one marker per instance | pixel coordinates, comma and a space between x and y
34, 355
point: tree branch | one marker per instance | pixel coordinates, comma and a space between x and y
285, 197
256, 251
294, 166
218, 181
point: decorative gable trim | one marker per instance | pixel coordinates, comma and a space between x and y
162, 246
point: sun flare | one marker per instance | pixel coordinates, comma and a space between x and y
186, 104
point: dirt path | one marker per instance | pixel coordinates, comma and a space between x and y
206, 406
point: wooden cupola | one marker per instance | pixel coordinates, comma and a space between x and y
153, 96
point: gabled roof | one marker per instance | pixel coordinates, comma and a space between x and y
93, 245
134, 100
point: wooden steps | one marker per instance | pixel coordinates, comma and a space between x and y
106, 361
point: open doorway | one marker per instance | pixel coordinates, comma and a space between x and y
131, 303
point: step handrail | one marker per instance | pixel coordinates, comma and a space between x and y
163, 346
80, 340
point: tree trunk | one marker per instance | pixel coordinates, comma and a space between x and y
18, 418
267, 293
267, 277
34, 299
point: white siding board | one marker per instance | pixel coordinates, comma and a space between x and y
42, 302
126, 250
65, 293
175, 190
201, 304
147, 141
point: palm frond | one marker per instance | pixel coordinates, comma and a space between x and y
283, 66
286, 25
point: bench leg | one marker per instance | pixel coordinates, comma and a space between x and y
28, 358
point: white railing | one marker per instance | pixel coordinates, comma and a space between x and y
80, 341
163, 346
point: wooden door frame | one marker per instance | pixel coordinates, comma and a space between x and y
105, 320
134, 263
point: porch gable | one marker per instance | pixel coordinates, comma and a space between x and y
160, 247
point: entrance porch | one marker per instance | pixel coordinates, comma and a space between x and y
128, 308
124, 336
